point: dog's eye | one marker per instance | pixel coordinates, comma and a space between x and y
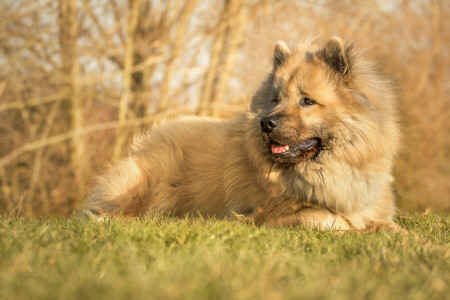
275, 100
305, 101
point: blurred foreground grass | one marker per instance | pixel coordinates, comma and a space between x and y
193, 259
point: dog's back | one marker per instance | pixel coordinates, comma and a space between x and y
179, 167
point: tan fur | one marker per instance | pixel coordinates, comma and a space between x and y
221, 168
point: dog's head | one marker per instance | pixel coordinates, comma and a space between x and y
310, 99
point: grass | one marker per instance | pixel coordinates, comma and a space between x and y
163, 258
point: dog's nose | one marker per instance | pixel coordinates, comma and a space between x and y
268, 124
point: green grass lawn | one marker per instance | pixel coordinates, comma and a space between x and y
193, 259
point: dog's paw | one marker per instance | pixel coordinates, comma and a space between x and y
392, 227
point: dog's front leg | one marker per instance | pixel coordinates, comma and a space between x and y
312, 217
290, 213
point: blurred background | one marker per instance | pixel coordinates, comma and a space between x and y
78, 77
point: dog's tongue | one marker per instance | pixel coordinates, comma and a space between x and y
278, 148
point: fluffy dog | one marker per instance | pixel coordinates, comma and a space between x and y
316, 148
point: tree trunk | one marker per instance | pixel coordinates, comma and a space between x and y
68, 38
125, 98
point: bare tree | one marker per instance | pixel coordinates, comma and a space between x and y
127, 75
68, 38
176, 49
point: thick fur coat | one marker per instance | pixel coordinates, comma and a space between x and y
315, 148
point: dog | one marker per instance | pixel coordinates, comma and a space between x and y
315, 148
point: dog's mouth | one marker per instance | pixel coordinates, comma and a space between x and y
293, 154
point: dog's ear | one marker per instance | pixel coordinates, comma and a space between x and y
335, 55
280, 53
